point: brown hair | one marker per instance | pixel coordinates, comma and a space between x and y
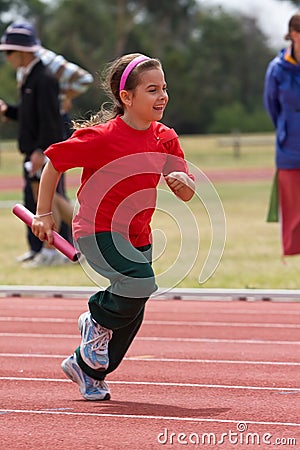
111, 82
294, 25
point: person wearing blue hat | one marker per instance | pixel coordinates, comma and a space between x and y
39, 120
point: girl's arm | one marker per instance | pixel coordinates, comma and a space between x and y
43, 223
181, 184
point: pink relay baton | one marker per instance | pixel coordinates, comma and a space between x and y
58, 241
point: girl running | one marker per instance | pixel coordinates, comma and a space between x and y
123, 152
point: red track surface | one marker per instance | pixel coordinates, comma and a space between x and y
8, 183
195, 367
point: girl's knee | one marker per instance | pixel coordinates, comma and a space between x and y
148, 286
134, 287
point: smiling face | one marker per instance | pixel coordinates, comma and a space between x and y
147, 101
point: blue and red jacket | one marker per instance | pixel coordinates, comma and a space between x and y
282, 102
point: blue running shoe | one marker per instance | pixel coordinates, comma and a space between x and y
89, 388
94, 342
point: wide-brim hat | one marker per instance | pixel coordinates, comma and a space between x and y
20, 36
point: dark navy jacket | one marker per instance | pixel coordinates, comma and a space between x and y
38, 114
282, 102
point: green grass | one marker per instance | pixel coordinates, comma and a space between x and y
252, 254
10, 159
207, 153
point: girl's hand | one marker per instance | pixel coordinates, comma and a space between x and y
42, 228
181, 184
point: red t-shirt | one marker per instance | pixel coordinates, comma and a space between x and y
121, 169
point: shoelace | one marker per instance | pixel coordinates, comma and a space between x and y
101, 340
100, 384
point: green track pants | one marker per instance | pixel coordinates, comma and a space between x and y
120, 307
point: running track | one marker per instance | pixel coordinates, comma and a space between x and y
8, 183
196, 367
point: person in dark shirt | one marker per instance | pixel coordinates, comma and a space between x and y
39, 119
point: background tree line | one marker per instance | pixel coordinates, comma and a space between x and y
215, 62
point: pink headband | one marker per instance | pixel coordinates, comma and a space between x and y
129, 68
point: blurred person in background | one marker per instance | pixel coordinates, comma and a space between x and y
43, 118
73, 81
282, 102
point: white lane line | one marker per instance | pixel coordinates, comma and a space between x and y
143, 417
218, 341
222, 324
256, 312
150, 358
167, 384
211, 361
37, 319
157, 338
201, 309
161, 322
204, 311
